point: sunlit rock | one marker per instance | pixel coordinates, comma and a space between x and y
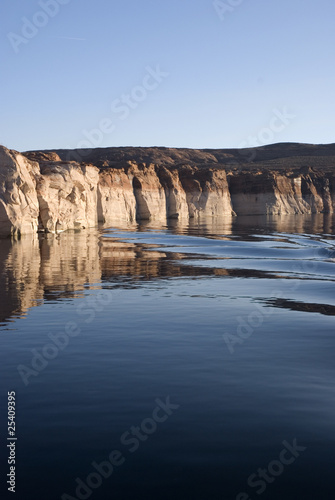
19, 208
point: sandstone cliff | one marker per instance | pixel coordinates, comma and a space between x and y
19, 207
57, 190
68, 196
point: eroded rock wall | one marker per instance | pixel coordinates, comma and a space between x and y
67, 196
40, 190
116, 198
19, 207
277, 194
207, 192
149, 193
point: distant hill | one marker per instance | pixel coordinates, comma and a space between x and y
273, 157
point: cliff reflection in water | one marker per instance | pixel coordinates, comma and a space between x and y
48, 267
52, 267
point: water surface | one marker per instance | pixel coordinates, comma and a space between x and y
233, 321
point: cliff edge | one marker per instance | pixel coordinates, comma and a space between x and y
71, 189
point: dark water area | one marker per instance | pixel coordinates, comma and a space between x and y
179, 362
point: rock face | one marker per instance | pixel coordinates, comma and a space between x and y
18, 197
267, 194
207, 192
58, 190
116, 198
67, 196
176, 198
277, 194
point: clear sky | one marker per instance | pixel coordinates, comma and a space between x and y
177, 73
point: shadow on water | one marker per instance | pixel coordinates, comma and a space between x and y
325, 309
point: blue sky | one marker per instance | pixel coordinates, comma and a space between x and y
261, 72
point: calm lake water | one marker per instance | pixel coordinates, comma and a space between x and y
202, 353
